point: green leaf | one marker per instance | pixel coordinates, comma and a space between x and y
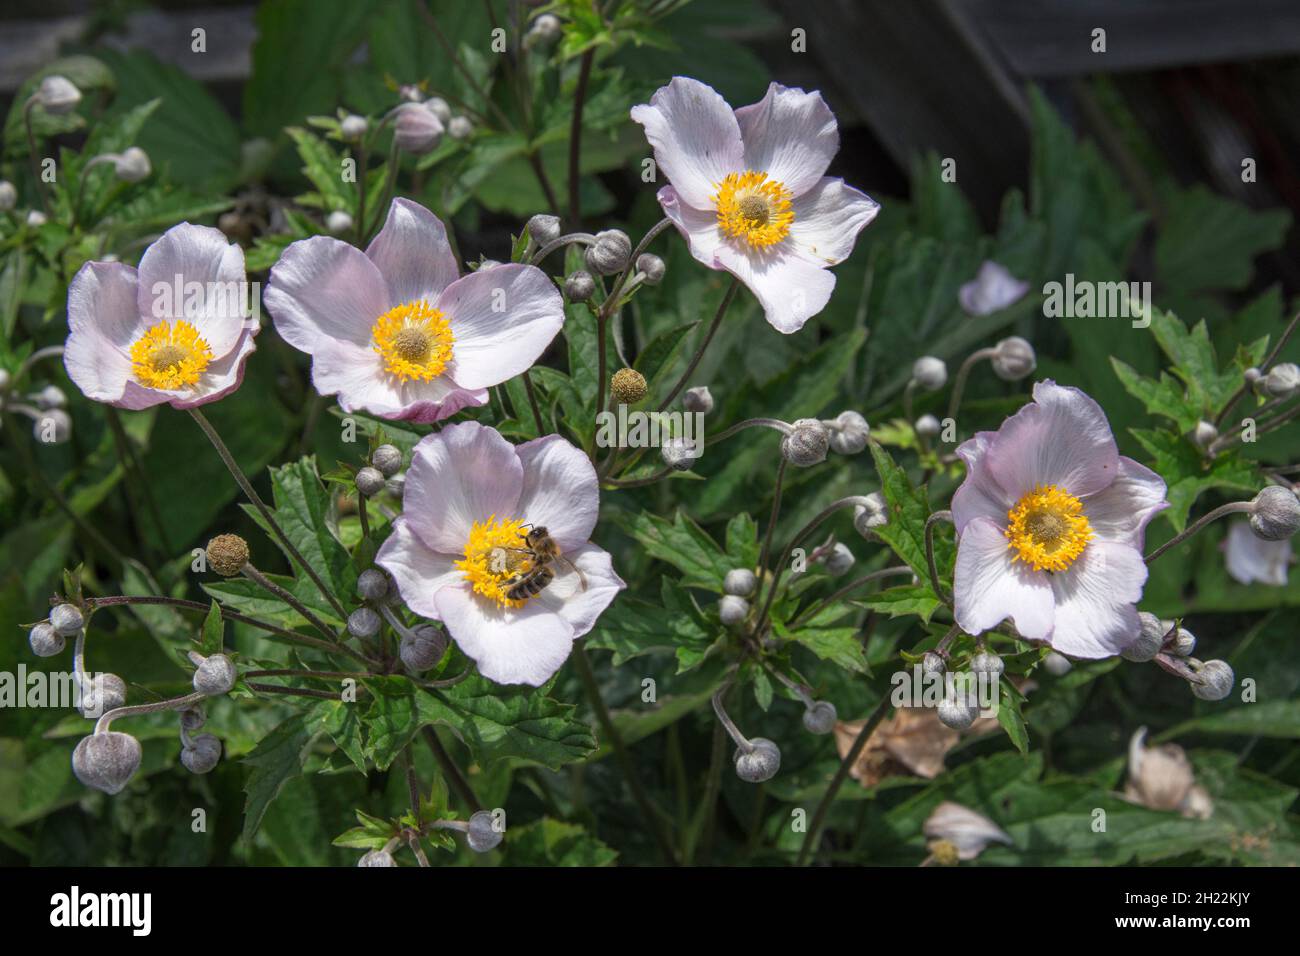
1194, 361
1275, 718
213, 638
908, 510
841, 646
1209, 242
342, 722
1164, 397
685, 545
323, 166
742, 541
905, 600
632, 628
1188, 473
277, 758
1010, 717
554, 843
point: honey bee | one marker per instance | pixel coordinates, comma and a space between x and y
543, 554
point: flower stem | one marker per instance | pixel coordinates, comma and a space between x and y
262, 581
455, 779
575, 135
771, 521
852, 586
930, 522
176, 703
699, 352
532, 401
959, 381
1232, 507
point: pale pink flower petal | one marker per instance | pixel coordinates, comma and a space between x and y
413, 254
560, 491
990, 587
1121, 511
698, 227
356, 374
1096, 596
510, 646
695, 136
418, 570
581, 607
790, 289
220, 378
980, 495
324, 288
104, 319
195, 273
1251, 559
790, 135
827, 220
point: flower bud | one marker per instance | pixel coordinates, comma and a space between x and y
956, 711
932, 663
460, 127
873, 512
370, 481
986, 662
820, 718
650, 266
1204, 434
377, 858
543, 228
969, 832
1149, 640
1058, 665
483, 835
101, 694
628, 386
192, 718
8, 195
107, 761
1275, 513
45, 641
840, 560
439, 108
848, 433
1283, 380
927, 426
51, 396
363, 622
1183, 643
423, 648
57, 94
543, 31
53, 427
214, 675
67, 619
410, 92
930, 373
353, 127
131, 165
740, 581
388, 459
579, 286
806, 444
202, 754
372, 584
698, 399
679, 453
758, 764
1215, 680
227, 554
338, 222
1014, 359
36, 219
417, 131
609, 253
733, 609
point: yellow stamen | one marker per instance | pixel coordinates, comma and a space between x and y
414, 339
754, 208
170, 356
492, 558
1048, 529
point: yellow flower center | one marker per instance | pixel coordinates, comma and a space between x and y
493, 558
414, 339
170, 356
1048, 529
754, 208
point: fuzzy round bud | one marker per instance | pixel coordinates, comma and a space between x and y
483, 835
370, 481
927, 426
840, 560
8, 195
849, 433
758, 764
1058, 665
353, 127
820, 718
1183, 643
986, 662
202, 754
679, 454
1150, 638
36, 219
388, 459
460, 127
338, 222
192, 718
131, 165
740, 581
54, 427
227, 554
423, 648
67, 619
955, 711
101, 694
417, 131
45, 641
579, 286
650, 266
1282, 380
51, 396
107, 761
543, 228
1252, 375
1014, 359
377, 858
698, 399
57, 94
930, 373
410, 92
372, 584
806, 444
215, 675
872, 512
732, 610
363, 622
932, 663
628, 386
543, 31
1275, 513
1215, 680
609, 253
1204, 434
438, 106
